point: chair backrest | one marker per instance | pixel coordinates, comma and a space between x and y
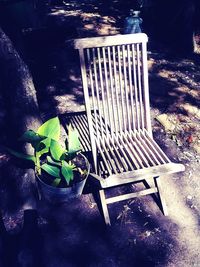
115, 83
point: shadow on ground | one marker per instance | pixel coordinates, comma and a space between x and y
135, 238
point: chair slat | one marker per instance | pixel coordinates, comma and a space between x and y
126, 89
113, 105
108, 168
139, 152
140, 87
157, 149
115, 155
147, 152
135, 85
121, 163
137, 161
81, 125
130, 78
94, 102
123, 151
116, 82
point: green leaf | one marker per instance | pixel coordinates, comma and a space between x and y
56, 150
50, 128
21, 155
31, 136
67, 171
51, 161
56, 182
46, 142
43, 147
52, 170
73, 141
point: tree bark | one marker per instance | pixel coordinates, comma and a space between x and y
22, 112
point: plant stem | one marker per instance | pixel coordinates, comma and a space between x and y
37, 163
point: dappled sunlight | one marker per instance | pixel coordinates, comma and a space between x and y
70, 105
174, 92
185, 213
89, 22
179, 196
65, 13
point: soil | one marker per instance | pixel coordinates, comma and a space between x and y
74, 234
79, 173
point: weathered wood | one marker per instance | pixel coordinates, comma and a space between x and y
115, 76
141, 174
132, 195
109, 40
158, 184
104, 207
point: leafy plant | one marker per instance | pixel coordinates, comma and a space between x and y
50, 156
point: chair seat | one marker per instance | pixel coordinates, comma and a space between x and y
131, 157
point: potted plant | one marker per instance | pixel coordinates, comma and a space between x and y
61, 170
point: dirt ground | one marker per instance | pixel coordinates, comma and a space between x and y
73, 234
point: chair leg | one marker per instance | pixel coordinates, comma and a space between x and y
104, 207
158, 184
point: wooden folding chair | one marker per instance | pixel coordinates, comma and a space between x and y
115, 83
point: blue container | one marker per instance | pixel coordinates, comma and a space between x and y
133, 22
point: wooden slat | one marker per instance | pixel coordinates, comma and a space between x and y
126, 96
99, 119
113, 104
157, 148
119, 121
110, 182
134, 156
122, 178
100, 74
140, 155
94, 102
121, 91
124, 157
140, 93
121, 164
111, 149
131, 88
136, 108
146, 89
132, 195
83, 132
108, 102
99, 146
147, 152
110, 40
152, 150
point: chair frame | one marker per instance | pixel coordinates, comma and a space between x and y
121, 128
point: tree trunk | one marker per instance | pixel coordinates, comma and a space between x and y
21, 113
